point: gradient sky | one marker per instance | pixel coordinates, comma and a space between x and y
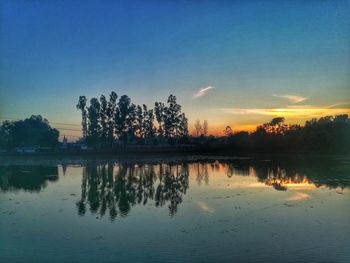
237, 63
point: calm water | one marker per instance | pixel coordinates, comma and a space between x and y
205, 211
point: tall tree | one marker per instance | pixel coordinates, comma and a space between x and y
205, 128
103, 127
82, 106
111, 111
94, 121
139, 122
159, 111
148, 122
198, 128
172, 117
125, 118
183, 126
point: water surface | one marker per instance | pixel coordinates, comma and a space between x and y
240, 210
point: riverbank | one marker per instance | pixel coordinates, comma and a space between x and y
151, 158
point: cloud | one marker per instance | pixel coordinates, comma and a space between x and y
291, 98
202, 91
302, 111
298, 197
204, 207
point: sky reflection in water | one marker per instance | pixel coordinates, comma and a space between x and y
165, 209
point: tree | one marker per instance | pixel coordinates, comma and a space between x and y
139, 122
94, 122
183, 126
103, 127
125, 118
82, 106
111, 111
159, 110
128, 121
148, 122
275, 126
172, 119
228, 131
198, 128
205, 128
33, 131
6, 137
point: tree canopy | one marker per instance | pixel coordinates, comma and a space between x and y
326, 134
33, 131
107, 121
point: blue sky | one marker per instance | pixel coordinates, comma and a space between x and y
256, 55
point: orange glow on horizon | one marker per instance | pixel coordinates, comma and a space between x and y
238, 119
244, 119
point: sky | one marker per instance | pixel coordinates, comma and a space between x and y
236, 63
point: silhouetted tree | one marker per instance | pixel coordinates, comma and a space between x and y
139, 122
183, 126
33, 131
6, 137
82, 106
103, 120
171, 122
159, 110
94, 122
228, 131
125, 119
205, 128
172, 117
111, 111
198, 128
148, 123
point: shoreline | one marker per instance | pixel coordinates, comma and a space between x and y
155, 158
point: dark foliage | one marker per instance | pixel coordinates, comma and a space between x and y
33, 131
106, 123
329, 134
30, 178
115, 189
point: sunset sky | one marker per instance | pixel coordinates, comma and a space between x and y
237, 63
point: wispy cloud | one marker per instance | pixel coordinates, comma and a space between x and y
291, 98
299, 197
202, 91
203, 206
302, 111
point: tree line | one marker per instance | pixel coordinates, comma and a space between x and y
328, 134
106, 121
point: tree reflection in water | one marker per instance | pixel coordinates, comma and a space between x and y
113, 188
117, 188
202, 171
31, 178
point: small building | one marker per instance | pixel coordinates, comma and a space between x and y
64, 144
26, 149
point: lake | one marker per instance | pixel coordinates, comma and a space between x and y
208, 209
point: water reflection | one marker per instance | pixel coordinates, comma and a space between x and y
26, 177
114, 188
307, 174
117, 188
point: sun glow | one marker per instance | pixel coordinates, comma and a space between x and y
294, 112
